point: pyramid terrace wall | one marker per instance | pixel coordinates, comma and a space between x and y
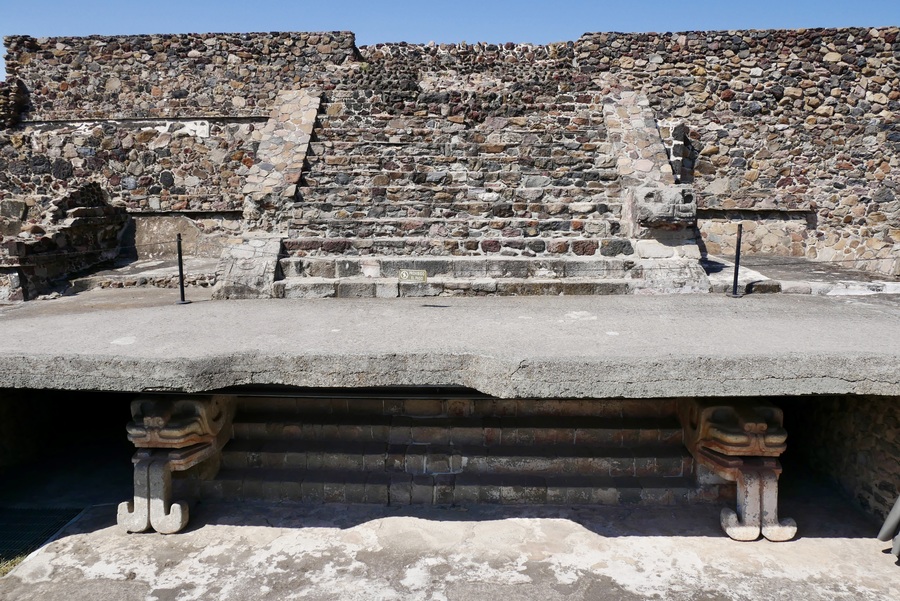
792, 132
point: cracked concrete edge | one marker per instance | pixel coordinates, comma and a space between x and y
535, 377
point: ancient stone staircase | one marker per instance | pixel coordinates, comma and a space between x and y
382, 276
566, 197
531, 204
442, 450
381, 176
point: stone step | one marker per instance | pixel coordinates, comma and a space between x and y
596, 97
641, 460
590, 222
338, 486
456, 267
393, 159
488, 430
419, 179
470, 141
364, 124
676, 276
536, 121
526, 214
310, 287
540, 129
554, 236
549, 112
541, 109
540, 247
343, 147
443, 195
401, 449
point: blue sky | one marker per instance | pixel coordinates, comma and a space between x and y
536, 21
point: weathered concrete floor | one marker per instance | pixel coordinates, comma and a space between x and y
562, 347
797, 275
282, 552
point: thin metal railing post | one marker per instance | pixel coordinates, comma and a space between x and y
180, 272
737, 262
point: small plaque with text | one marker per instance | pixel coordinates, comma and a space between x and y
413, 275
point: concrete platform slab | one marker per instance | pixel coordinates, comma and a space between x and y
563, 347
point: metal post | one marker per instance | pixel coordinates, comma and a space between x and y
181, 273
737, 262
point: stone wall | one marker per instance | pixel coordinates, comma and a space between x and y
771, 233
802, 120
168, 76
793, 131
167, 165
855, 441
780, 122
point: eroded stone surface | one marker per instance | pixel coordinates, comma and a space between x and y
356, 552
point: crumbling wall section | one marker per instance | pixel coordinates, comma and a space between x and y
13, 93
75, 232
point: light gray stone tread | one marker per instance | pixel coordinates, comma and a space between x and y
461, 266
441, 159
450, 281
478, 221
425, 261
464, 205
447, 153
405, 240
456, 188
319, 168
404, 179
328, 127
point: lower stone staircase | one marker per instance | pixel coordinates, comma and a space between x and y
389, 277
449, 450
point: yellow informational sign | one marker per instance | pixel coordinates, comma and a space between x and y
413, 275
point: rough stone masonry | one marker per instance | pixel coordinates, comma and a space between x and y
470, 150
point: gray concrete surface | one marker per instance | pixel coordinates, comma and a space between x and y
795, 275
346, 553
616, 346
